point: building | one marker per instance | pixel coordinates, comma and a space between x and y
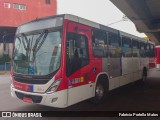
16, 12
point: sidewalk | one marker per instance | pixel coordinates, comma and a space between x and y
5, 79
4, 72
154, 73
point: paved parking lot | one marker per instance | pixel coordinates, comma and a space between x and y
128, 98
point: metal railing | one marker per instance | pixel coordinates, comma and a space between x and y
5, 67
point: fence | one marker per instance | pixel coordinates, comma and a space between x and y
5, 67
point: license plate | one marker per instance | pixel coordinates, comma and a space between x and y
28, 100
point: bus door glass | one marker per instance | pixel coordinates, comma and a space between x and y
78, 61
80, 86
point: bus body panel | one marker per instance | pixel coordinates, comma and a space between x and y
80, 93
114, 71
144, 63
114, 83
127, 69
137, 74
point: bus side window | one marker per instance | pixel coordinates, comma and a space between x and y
99, 44
152, 50
126, 47
148, 52
77, 52
135, 48
114, 45
142, 49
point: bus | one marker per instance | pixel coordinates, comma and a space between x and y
157, 51
61, 60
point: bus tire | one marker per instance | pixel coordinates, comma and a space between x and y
100, 92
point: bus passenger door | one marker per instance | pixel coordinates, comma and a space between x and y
80, 86
114, 60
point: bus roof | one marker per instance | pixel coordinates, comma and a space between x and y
91, 24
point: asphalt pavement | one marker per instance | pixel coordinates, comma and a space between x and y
133, 97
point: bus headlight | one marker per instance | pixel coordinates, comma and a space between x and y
53, 88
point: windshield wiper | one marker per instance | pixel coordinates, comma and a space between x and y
38, 39
26, 47
35, 48
41, 43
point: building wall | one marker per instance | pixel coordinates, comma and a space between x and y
9, 16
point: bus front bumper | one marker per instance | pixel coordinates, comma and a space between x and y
57, 99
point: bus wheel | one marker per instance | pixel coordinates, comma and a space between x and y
100, 92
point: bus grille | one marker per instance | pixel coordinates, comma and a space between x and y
35, 98
31, 81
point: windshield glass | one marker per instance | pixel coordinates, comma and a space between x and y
37, 54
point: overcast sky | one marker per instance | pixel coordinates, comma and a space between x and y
100, 11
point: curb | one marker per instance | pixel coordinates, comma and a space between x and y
4, 72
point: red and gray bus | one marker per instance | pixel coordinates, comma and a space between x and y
61, 60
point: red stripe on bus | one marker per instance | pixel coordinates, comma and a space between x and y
21, 86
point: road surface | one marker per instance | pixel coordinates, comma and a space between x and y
128, 98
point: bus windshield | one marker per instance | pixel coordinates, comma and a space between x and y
37, 53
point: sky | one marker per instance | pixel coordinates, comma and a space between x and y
100, 11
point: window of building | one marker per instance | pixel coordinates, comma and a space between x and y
16, 6
48, 1
7, 5
19, 6
99, 43
77, 52
126, 47
22, 7
114, 45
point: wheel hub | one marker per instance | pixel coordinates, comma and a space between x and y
99, 91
